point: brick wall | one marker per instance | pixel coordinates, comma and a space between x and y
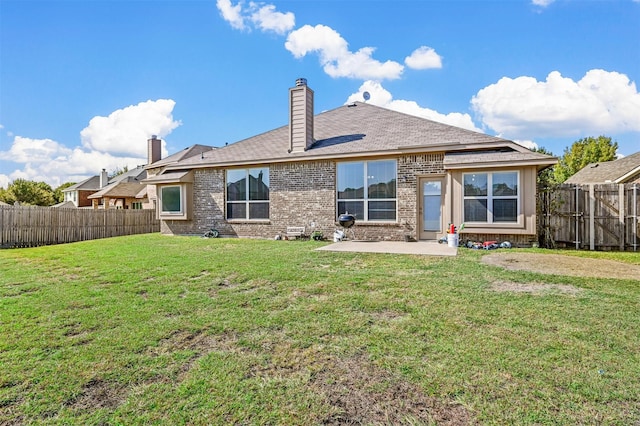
302, 194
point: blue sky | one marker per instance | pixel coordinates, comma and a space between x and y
83, 84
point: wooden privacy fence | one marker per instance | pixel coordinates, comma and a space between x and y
593, 216
22, 226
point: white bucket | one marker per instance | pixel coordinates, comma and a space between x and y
452, 240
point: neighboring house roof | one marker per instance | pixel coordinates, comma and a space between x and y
133, 175
190, 151
89, 184
119, 190
359, 130
622, 170
65, 205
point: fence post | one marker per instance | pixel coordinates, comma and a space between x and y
621, 215
592, 217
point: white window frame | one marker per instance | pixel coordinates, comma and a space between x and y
490, 197
365, 200
181, 211
247, 202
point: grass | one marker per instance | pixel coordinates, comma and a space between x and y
152, 329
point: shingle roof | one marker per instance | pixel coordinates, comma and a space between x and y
484, 158
358, 129
181, 155
119, 190
89, 184
622, 170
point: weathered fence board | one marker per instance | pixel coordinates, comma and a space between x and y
594, 216
22, 226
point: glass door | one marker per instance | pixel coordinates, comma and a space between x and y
430, 208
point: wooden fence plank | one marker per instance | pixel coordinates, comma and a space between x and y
597, 216
27, 226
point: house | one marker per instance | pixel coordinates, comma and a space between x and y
622, 170
400, 175
79, 193
124, 191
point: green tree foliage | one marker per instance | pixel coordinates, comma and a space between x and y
119, 171
58, 195
582, 152
545, 177
28, 192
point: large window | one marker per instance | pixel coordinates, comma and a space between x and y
367, 190
171, 199
491, 197
248, 193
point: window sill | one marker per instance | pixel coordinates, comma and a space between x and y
372, 223
249, 221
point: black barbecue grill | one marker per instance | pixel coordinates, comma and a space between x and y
347, 220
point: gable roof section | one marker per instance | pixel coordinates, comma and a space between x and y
622, 170
119, 190
89, 184
356, 130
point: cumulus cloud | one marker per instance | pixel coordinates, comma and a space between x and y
264, 17
232, 14
26, 150
601, 102
110, 143
268, 19
335, 57
382, 97
125, 130
423, 58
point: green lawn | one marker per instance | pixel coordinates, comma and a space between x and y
177, 330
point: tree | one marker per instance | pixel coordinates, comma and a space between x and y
58, 195
582, 152
28, 192
545, 177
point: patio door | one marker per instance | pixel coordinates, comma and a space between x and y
430, 211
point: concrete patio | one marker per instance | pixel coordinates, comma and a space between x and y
427, 248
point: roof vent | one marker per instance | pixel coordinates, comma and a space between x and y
301, 82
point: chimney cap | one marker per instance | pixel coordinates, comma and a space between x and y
154, 136
301, 82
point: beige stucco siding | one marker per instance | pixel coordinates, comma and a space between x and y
527, 217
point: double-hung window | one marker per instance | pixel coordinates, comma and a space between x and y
491, 197
248, 193
367, 190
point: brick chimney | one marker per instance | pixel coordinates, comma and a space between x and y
154, 149
300, 116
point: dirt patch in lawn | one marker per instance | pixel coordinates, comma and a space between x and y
359, 392
534, 288
557, 264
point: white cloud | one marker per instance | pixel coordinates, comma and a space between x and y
231, 14
111, 143
382, 97
26, 150
423, 58
262, 16
125, 130
268, 19
527, 144
335, 56
599, 103
542, 3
